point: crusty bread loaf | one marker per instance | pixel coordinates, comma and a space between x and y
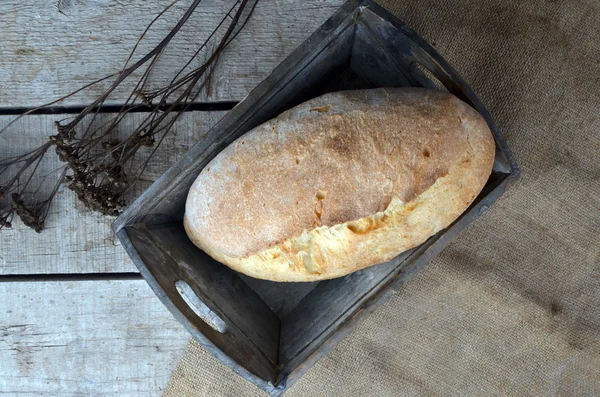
340, 182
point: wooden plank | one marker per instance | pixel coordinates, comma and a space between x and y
86, 338
77, 240
51, 48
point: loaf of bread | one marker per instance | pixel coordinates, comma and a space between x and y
341, 182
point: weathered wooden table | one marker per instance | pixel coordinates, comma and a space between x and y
75, 317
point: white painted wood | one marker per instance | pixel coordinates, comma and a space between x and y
50, 48
77, 240
89, 338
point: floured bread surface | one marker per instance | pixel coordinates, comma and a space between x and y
339, 183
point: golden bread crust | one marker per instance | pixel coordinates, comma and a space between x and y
340, 182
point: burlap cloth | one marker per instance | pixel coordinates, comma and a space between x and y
513, 306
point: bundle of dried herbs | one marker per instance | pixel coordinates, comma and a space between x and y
100, 168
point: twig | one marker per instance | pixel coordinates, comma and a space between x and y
100, 168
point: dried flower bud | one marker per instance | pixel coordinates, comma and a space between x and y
5, 223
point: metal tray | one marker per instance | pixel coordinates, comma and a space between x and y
271, 333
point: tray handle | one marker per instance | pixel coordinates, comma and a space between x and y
199, 308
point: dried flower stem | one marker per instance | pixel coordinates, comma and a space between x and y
98, 167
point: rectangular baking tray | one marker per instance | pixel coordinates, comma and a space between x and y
272, 333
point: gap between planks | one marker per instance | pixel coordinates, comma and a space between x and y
193, 107
68, 277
